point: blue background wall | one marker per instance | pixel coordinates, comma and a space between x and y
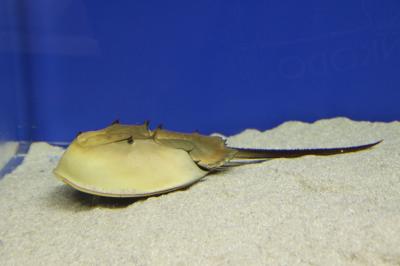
210, 65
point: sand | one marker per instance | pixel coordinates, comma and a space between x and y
7, 150
336, 210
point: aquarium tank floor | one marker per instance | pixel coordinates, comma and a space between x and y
334, 210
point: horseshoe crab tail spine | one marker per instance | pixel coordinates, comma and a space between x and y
278, 153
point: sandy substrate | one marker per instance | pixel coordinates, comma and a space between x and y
335, 210
7, 151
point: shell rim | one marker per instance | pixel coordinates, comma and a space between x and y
115, 195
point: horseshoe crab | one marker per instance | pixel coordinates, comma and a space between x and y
134, 161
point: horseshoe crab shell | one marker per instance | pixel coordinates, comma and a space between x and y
134, 161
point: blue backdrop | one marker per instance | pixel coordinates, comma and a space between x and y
213, 65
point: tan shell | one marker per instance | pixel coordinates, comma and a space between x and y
133, 161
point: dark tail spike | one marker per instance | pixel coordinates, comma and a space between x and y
265, 154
